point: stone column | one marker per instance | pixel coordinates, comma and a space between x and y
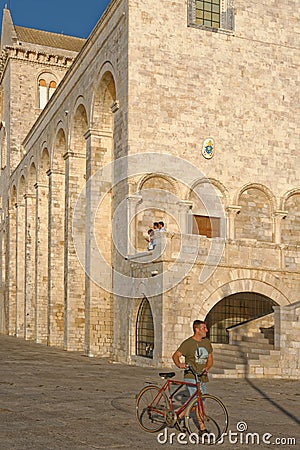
185, 216
12, 305
232, 211
277, 218
99, 302
41, 256
132, 203
5, 273
30, 267
74, 272
2, 321
20, 268
56, 214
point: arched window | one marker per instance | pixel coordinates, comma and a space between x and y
145, 331
47, 87
233, 310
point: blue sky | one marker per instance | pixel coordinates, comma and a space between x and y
72, 17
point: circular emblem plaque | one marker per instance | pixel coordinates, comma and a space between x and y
208, 148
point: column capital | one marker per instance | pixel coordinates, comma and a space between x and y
71, 154
40, 185
135, 198
185, 204
93, 132
54, 172
29, 196
279, 214
233, 209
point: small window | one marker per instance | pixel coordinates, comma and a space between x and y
46, 89
206, 226
213, 14
145, 331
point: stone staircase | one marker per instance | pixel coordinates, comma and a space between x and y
250, 353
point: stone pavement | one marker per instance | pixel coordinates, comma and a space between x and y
52, 399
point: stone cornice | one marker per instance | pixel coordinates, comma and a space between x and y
41, 57
34, 56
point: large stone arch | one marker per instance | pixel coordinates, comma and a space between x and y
256, 216
265, 284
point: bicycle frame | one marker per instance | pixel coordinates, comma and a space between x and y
167, 388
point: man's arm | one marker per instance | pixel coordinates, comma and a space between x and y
176, 359
209, 362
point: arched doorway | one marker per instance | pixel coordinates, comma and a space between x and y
233, 310
145, 330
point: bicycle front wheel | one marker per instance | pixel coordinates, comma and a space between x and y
151, 408
211, 415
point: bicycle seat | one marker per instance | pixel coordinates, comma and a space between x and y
166, 375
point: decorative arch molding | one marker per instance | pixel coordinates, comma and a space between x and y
60, 131
287, 196
46, 71
107, 66
216, 183
167, 178
79, 126
81, 101
260, 187
104, 96
21, 188
265, 284
32, 177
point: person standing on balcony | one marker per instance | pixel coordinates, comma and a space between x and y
161, 226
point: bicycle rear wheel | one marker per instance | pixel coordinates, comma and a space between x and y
214, 416
151, 409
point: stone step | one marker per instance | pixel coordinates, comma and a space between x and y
241, 351
254, 344
257, 337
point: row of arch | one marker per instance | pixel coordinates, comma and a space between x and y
46, 292
164, 182
253, 212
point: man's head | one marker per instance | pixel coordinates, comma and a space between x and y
155, 225
200, 328
161, 224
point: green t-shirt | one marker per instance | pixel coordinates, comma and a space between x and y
196, 355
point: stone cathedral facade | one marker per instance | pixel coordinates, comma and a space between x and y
181, 111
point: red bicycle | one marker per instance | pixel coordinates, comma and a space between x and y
203, 414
